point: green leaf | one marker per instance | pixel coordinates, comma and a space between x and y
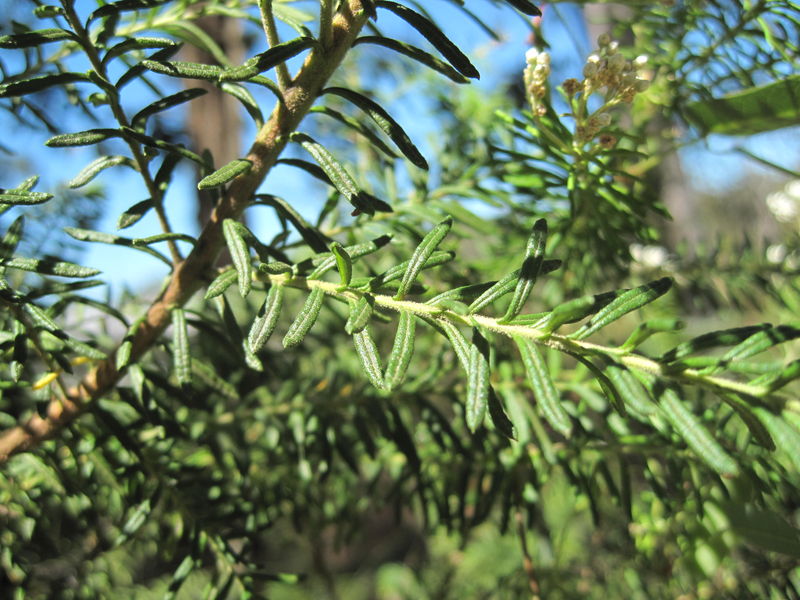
240, 254
754, 425
341, 179
247, 99
499, 417
421, 254
415, 53
305, 319
435, 36
266, 319
465, 293
354, 124
134, 213
82, 138
184, 70
225, 174
477, 381
11, 238
725, 337
37, 84
525, 7
569, 312
623, 304
694, 434
529, 272
139, 119
343, 262
370, 359
785, 435
383, 120
35, 38
115, 8
644, 330
761, 341
48, 266
308, 232
140, 43
182, 359
436, 259
763, 528
94, 168
221, 283
402, 351
506, 284
630, 390
327, 261
86, 235
544, 390
266, 60
23, 197
360, 314
750, 111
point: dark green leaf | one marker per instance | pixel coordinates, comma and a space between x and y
383, 120
48, 266
695, 435
529, 272
82, 138
343, 262
544, 389
266, 319
35, 38
134, 213
370, 359
266, 60
644, 330
525, 7
308, 232
114, 8
185, 70
225, 174
23, 197
415, 53
435, 36
360, 314
248, 101
726, 337
140, 43
506, 284
305, 319
477, 381
139, 119
499, 417
11, 238
37, 84
94, 168
421, 254
182, 360
240, 254
623, 304
437, 258
221, 283
402, 350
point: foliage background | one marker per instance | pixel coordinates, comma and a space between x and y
207, 468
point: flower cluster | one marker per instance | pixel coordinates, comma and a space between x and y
606, 72
537, 70
609, 69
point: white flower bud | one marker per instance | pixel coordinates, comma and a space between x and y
640, 61
543, 59
612, 47
531, 55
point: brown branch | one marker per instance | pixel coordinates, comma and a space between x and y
527, 560
189, 275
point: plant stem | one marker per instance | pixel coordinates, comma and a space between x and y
271, 31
